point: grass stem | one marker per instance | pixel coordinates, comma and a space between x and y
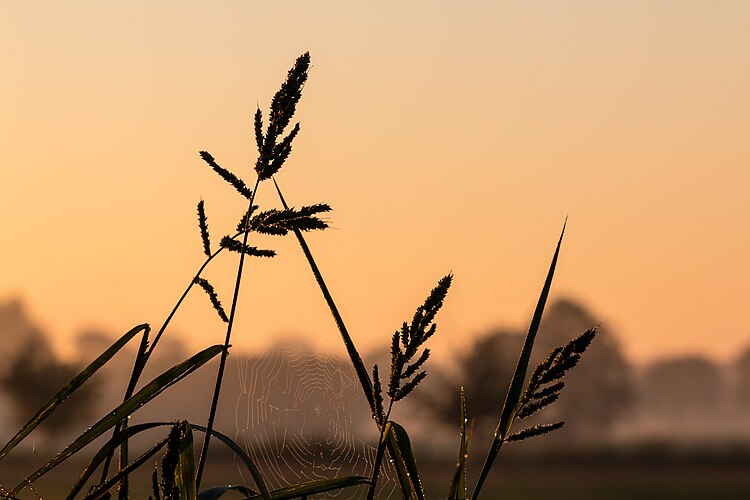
225, 352
354, 356
379, 454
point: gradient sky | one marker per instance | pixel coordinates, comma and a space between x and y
447, 136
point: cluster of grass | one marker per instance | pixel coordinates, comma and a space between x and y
180, 473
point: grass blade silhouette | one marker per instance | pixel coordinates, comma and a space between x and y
240, 452
218, 491
405, 462
457, 489
384, 435
185, 473
131, 431
109, 446
519, 376
303, 490
107, 485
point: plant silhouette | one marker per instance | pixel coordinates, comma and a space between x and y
180, 475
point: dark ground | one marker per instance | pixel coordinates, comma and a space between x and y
593, 476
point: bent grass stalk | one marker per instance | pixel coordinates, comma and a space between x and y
225, 352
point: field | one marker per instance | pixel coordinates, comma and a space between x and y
580, 478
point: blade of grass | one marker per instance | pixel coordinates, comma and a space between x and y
405, 462
72, 386
382, 442
232, 445
314, 487
218, 491
6, 495
457, 489
141, 358
519, 376
101, 455
149, 392
395, 439
107, 485
131, 431
186, 465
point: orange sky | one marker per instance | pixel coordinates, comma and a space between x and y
446, 136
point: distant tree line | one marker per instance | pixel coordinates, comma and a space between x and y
605, 393
668, 397
597, 394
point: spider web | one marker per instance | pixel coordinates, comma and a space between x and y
301, 415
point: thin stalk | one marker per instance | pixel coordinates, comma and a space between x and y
225, 352
139, 363
107, 485
184, 294
123, 491
379, 455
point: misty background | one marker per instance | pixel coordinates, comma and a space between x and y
608, 401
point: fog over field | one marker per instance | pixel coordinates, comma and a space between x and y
607, 400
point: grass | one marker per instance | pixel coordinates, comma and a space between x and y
182, 466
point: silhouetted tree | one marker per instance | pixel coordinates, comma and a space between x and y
601, 390
597, 393
32, 373
16, 327
484, 371
742, 377
682, 388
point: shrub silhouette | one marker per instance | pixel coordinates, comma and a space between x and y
32, 373
682, 388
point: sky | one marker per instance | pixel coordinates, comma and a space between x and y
447, 137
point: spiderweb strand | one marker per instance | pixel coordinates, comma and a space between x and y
301, 416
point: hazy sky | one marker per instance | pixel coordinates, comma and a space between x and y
447, 136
